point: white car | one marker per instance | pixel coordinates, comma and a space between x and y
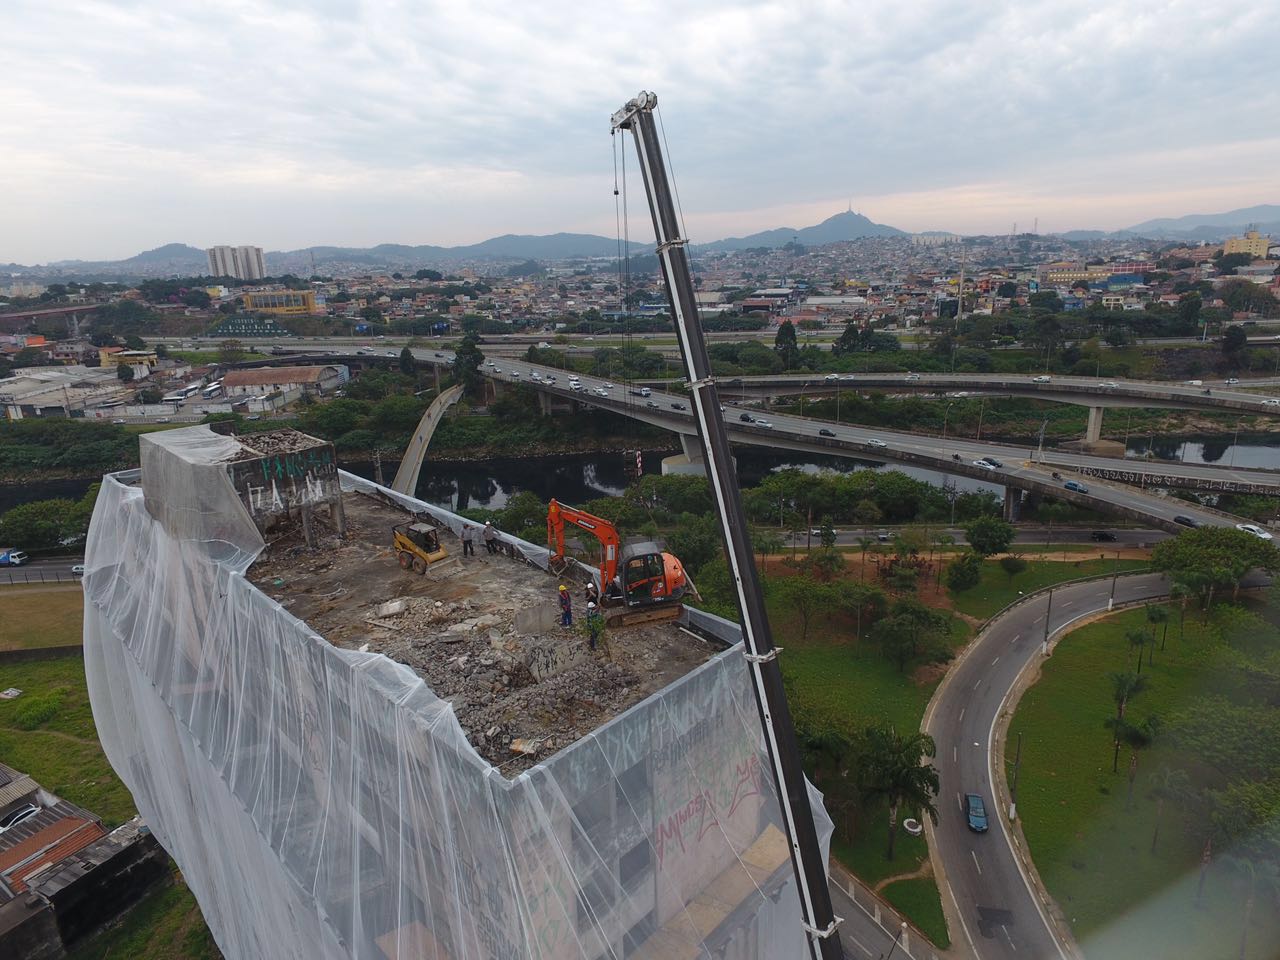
1271, 402
608, 386
832, 376
764, 423
575, 387
1110, 385
913, 376
1043, 378
78, 570
848, 376
984, 465
600, 392
875, 442
1256, 530
1231, 381
392, 353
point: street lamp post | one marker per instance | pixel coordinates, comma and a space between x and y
1115, 572
902, 932
945, 416
1044, 644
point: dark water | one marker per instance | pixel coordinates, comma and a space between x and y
581, 477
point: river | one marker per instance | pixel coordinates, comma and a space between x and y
577, 478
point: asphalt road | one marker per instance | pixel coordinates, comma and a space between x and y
38, 571
1032, 535
999, 915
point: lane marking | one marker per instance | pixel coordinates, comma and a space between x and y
977, 684
975, 862
954, 758
995, 661
1007, 937
962, 710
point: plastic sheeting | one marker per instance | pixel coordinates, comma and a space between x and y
324, 803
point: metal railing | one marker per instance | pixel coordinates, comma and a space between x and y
18, 575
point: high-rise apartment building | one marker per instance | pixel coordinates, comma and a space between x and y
241, 263
1251, 243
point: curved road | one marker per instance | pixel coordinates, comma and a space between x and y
983, 885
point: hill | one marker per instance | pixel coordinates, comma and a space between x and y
1211, 226
842, 226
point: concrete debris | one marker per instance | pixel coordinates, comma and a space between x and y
488, 640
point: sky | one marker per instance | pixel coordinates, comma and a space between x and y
126, 124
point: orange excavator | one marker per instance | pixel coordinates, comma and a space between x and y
639, 582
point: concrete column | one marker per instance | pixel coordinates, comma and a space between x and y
690, 461
544, 403
1093, 431
1012, 503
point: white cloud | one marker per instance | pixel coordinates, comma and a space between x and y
289, 123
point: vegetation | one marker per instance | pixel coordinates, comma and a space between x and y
165, 925
996, 589
1212, 559
1120, 840
918, 899
49, 447
48, 524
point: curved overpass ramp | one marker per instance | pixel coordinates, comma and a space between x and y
406, 480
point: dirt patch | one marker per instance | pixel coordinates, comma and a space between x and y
482, 631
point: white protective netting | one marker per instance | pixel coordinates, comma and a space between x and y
325, 803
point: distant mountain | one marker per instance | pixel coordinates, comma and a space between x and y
843, 226
1211, 226
178, 259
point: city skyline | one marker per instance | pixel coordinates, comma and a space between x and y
390, 123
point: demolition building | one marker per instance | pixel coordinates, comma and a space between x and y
351, 757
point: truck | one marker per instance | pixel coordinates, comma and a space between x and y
12, 557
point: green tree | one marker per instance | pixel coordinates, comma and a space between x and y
408, 363
1234, 339
230, 351
1013, 564
1007, 289
41, 524
1138, 639
124, 373
1207, 559
784, 342
864, 544
895, 769
1167, 783
964, 572
1157, 614
766, 541
989, 535
830, 759
467, 359
1189, 305
804, 597
371, 314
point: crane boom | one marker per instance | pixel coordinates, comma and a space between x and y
761, 655
558, 514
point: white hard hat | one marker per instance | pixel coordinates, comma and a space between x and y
591, 604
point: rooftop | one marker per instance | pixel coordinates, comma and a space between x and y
483, 632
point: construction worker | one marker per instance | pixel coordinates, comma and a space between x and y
566, 607
490, 537
592, 593
468, 538
595, 622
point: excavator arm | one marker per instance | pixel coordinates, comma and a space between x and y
558, 514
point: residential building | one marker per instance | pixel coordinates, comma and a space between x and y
241, 263
1251, 243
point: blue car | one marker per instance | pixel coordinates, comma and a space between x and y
1076, 485
976, 811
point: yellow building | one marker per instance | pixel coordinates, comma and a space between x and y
282, 302
1251, 243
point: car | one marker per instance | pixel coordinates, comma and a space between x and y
1256, 530
439, 354
976, 812
913, 376
1271, 402
651, 404
118, 420
256, 416
983, 464
515, 374
608, 386
1194, 383
848, 376
575, 386
550, 378
1102, 536
832, 376
764, 423
490, 364
746, 418
876, 442
998, 464
817, 531
20, 815
1231, 381
392, 353
1076, 485
883, 536
961, 393
164, 420
1110, 385
600, 392
674, 406
824, 432
78, 570
497, 369
1043, 378
1186, 521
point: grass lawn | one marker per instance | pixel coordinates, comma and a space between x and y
864, 855
61, 751
40, 616
165, 925
995, 591
1092, 847
919, 899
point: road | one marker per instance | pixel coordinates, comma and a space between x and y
954, 455
999, 915
42, 571
1032, 535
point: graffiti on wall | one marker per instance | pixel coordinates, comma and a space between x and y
276, 483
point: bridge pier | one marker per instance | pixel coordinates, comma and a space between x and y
689, 461
1012, 504
1093, 442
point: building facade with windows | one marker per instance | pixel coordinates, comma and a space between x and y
282, 302
241, 263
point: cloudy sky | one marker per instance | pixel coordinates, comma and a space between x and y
125, 124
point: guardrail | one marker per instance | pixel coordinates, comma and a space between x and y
17, 575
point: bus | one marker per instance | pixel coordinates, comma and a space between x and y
212, 390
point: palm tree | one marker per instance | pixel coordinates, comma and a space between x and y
864, 544
1156, 615
1167, 783
1124, 687
894, 769
1137, 639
